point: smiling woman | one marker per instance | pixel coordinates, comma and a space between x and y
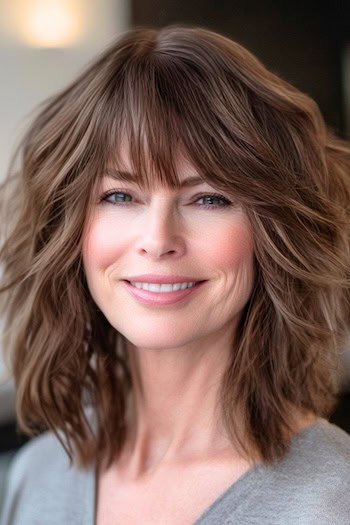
176, 290
161, 232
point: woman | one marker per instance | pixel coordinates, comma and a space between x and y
176, 291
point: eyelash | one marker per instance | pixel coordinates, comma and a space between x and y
224, 200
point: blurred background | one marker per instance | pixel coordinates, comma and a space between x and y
45, 43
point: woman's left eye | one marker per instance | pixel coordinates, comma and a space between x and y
223, 202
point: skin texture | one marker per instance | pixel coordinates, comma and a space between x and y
178, 352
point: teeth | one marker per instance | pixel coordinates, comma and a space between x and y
155, 287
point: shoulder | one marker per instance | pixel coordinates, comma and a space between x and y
39, 462
42, 482
320, 452
312, 482
310, 485
31, 455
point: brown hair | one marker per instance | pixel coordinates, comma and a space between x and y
248, 133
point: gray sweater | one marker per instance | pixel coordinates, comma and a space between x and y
309, 486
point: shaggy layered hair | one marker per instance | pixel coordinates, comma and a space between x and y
249, 134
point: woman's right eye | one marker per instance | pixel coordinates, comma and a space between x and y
116, 197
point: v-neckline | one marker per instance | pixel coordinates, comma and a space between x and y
258, 470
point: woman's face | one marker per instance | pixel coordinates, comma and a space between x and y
176, 235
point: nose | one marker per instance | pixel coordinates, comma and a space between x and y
161, 232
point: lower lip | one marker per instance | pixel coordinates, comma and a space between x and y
161, 298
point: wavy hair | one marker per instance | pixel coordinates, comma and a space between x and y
249, 134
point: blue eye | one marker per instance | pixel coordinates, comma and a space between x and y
223, 202
115, 197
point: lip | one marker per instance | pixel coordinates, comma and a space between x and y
162, 279
161, 298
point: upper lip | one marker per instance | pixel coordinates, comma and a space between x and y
161, 279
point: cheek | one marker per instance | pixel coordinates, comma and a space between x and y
102, 244
231, 254
231, 247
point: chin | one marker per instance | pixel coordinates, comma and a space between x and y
155, 339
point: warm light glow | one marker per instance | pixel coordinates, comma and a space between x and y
48, 23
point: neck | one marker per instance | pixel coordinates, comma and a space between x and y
174, 410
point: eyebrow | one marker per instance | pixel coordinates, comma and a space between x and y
193, 180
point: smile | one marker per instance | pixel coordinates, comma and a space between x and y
162, 294
162, 288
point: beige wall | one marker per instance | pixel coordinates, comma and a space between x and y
29, 74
